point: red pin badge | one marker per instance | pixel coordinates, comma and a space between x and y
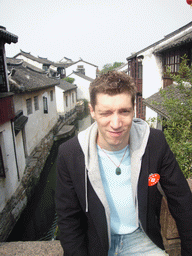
153, 179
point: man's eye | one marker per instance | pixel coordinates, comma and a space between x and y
105, 113
125, 111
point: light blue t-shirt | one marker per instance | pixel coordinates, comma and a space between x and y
118, 190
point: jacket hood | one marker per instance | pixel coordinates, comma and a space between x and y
138, 138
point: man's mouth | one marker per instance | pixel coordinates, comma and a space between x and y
115, 133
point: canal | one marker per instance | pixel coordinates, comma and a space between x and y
38, 220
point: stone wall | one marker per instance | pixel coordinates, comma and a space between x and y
169, 230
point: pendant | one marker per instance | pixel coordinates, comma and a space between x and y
118, 171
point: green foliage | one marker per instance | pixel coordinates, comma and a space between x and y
108, 67
69, 80
178, 125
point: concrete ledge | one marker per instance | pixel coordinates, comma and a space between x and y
41, 248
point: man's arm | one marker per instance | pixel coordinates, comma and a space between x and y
71, 219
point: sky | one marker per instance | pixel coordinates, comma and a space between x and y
97, 31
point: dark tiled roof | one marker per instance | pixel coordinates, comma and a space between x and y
39, 59
66, 86
83, 76
12, 61
20, 122
154, 102
7, 37
60, 64
17, 62
70, 64
183, 39
65, 59
24, 78
176, 32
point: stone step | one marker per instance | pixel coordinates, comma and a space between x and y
37, 248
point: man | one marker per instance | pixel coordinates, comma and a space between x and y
107, 196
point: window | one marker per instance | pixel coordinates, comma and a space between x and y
66, 101
51, 95
29, 106
45, 68
129, 68
172, 60
45, 105
36, 103
73, 97
139, 106
177, 62
81, 69
2, 169
139, 70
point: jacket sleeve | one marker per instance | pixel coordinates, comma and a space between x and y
178, 195
71, 219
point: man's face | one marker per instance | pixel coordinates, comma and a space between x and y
114, 115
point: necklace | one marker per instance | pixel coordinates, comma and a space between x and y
118, 169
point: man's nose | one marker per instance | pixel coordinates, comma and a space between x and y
116, 121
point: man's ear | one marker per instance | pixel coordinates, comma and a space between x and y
92, 112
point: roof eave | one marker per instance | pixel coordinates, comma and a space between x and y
7, 37
155, 109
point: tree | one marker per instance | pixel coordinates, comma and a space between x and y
108, 67
177, 101
69, 79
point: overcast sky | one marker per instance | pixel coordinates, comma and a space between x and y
98, 31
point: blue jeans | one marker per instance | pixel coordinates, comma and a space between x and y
134, 244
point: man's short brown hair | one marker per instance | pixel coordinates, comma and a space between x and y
112, 83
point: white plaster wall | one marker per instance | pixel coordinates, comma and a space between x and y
39, 123
71, 104
32, 62
152, 78
20, 153
59, 100
90, 70
82, 87
152, 75
9, 184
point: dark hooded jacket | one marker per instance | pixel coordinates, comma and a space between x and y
81, 204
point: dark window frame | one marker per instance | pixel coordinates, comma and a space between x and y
36, 103
45, 105
51, 95
29, 106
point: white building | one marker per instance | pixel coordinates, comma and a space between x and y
66, 98
83, 82
35, 100
148, 66
83, 67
